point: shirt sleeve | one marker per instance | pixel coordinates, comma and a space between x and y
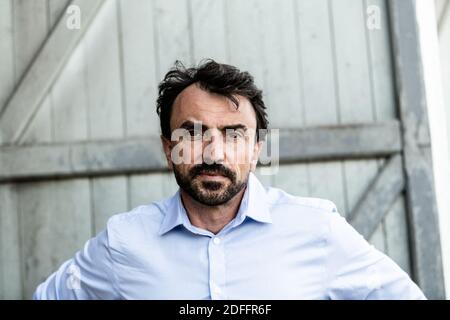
88, 275
357, 270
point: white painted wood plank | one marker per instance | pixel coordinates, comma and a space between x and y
359, 175
10, 262
7, 78
383, 91
56, 10
355, 95
326, 181
208, 30
68, 94
139, 67
281, 72
355, 104
55, 221
109, 197
30, 31
316, 55
70, 101
146, 188
173, 34
378, 239
103, 75
397, 234
40, 128
292, 178
244, 34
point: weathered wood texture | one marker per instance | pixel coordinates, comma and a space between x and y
422, 212
145, 154
90, 119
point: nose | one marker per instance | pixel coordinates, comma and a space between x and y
214, 149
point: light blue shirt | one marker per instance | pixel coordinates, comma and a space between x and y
278, 246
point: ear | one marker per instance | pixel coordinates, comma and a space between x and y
255, 155
167, 147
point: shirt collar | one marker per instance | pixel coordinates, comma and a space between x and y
253, 205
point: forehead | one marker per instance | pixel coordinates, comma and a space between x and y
213, 110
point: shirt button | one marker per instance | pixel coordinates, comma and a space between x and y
216, 240
217, 290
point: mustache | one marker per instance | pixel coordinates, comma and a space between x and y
215, 168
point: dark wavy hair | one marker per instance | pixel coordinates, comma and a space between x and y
212, 77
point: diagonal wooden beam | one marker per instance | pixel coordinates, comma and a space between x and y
378, 198
38, 79
145, 154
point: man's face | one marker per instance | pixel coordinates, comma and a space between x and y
218, 149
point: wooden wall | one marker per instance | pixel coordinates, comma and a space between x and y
315, 59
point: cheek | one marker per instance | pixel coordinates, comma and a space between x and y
183, 169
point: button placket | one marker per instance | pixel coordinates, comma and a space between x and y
216, 268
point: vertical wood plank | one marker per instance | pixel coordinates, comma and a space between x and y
244, 34
109, 197
292, 178
103, 75
317, 69
382, 72
139, 67
56, 10
378, 239
7, 78
173, 34
282, 85
397, 234
55, 222
352, 61
326, 181
106, 114
355, 84
146, 188
70, 101
208, 29
40, 128
10, 262
358, 176
395, 223
30, 31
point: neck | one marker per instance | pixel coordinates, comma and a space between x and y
211, 218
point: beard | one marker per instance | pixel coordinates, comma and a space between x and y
210, 193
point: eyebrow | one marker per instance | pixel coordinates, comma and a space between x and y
190, 124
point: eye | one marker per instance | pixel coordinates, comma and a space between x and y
235, 134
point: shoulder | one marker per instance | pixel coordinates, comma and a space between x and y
304, 214
280, 199
141, 221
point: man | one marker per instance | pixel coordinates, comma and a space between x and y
223, 235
